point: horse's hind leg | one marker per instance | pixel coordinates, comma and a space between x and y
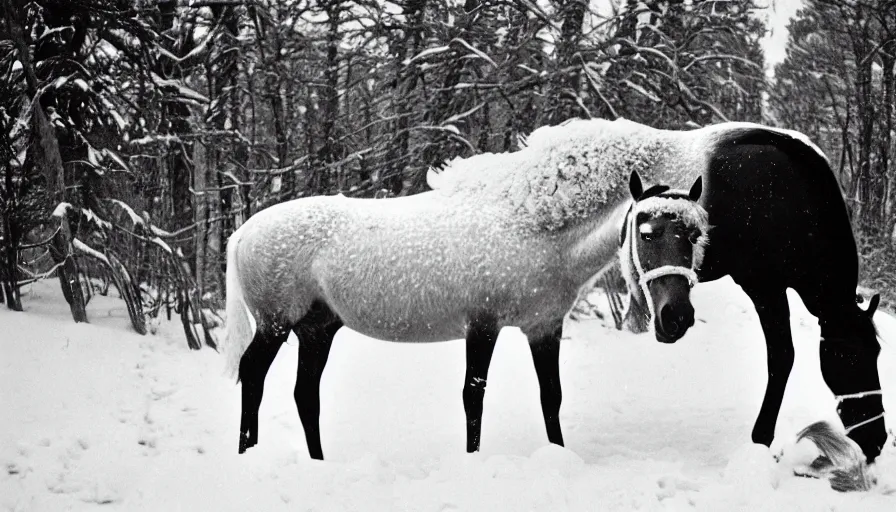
315, 332
482, 334
254, 366
546, 356
774, 316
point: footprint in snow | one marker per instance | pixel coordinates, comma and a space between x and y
671, 485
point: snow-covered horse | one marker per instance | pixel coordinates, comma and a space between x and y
511, 247
778, 221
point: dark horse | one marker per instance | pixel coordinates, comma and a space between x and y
515, 251
779, 221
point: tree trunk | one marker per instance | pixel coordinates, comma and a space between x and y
61, 252
392, 179
10, 232
9, 250
865, 110
47, 154
271, 72
330, 151
564, 85
888, 60
222, 75
128, 290
176, 122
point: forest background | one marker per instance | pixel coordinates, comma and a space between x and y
136, 135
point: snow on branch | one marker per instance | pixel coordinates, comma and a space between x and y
92, 217
97, 157
705, 58
442, 49
637, 88
426, 53
458, 117
693, 97
182, 90
160, 139
136, 219
470, 47
592, 80
161, 243
56, 30
115, 158
62, 210
296, 164
156, 232
194, 55
161, 232
648, 50
89, 251
450, 128
32, 277
236, 181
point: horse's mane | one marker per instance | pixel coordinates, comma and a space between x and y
563, 173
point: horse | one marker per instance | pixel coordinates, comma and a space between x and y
779, 220
441, 265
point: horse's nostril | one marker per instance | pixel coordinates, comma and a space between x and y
667, 315
676, 320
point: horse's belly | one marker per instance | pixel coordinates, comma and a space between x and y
391, 317
438, 309
399, 330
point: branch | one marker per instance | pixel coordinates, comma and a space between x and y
42, 243
593, 82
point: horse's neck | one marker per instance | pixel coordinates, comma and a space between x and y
592, 244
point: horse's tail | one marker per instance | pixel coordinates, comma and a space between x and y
840, 461
239, 321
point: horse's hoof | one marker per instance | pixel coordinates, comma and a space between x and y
245, 444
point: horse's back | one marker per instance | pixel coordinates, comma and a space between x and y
777, 211
404, 269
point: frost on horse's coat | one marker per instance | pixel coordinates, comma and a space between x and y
445, 253
567, 172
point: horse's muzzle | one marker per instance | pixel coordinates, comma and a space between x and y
673, 321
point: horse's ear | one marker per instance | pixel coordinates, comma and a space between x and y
696, 189
872, 307
635, 186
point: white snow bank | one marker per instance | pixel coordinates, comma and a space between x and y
93, 414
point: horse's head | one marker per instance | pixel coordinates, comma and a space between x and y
848, 353
662, 242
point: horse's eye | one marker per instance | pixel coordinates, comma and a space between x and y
694, 236
650, 233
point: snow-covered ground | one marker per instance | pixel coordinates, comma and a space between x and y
95, 415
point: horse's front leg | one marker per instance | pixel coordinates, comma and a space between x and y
774, 316
546, 356
482, 334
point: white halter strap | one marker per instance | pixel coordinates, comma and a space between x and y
669, 270
863, 394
